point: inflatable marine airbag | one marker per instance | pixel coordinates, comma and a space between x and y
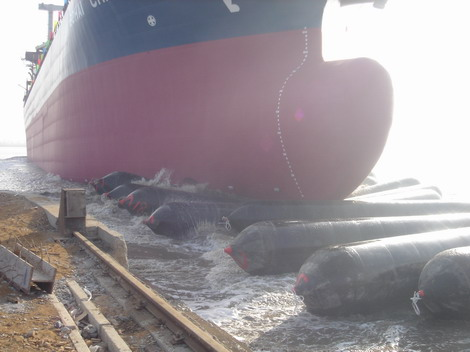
369, 275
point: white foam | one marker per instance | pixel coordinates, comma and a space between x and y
260, 310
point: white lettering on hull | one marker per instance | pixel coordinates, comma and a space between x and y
76, 12
231, 6
96, 3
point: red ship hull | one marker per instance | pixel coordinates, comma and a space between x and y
261, 116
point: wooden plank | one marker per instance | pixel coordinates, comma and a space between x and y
16, 270
107, 332
74, 334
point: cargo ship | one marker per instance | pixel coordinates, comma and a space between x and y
232, 94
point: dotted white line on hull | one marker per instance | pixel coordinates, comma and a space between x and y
278, 111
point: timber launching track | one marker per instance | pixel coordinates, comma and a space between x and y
197, 334
171, 329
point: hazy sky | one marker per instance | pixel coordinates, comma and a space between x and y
424, 44
22, 27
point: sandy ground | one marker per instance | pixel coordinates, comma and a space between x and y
27, 322
30, 322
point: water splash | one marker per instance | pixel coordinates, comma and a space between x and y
260, 310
